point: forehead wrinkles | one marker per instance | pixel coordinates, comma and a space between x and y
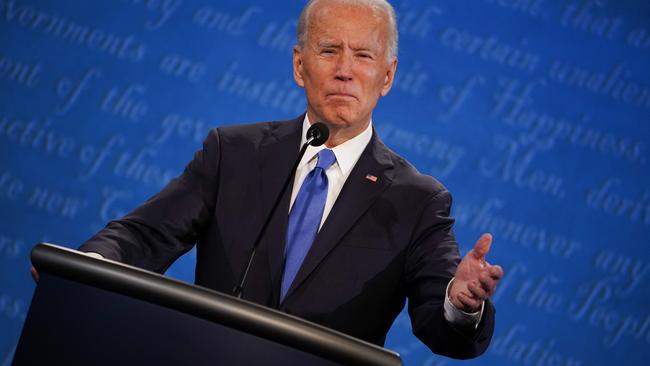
365, 44
366, 31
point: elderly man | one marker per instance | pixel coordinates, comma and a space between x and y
359, 232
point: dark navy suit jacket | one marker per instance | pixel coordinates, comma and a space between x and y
384, 241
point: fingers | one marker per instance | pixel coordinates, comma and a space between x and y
476, 277
479, 291
482, 246
483, 288
496, 272
487, 282
470, 304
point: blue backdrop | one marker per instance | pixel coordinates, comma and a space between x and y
534, 113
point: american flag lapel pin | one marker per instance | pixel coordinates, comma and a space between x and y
371, 178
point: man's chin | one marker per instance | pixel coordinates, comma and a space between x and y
347, 123
339, 121
341, 118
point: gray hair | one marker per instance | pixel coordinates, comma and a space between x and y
380, 5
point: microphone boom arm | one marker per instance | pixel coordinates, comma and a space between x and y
317, 134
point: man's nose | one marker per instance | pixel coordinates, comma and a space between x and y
344, 67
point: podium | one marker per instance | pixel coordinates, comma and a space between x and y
88, 311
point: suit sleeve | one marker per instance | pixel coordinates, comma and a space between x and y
167, 225
431, 262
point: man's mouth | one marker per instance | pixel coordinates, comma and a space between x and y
342, 95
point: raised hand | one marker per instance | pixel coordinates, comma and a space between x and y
476, 279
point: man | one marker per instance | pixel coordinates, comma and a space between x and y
359, 232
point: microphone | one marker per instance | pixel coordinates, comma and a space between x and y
317, 134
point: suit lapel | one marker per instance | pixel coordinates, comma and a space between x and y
356, 196
278, 152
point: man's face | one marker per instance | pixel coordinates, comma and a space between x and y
343, 66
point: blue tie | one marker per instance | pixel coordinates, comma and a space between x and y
305, 217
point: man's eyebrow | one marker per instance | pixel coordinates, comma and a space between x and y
370, 48
328, 43
363, 48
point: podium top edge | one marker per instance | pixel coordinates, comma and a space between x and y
209, 305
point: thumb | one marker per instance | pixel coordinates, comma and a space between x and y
482, 246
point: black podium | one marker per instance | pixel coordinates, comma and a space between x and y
88, 311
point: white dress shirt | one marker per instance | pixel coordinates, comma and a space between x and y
347, 154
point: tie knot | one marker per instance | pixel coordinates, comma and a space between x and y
326, 158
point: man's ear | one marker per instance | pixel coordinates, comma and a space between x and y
390, 77
297, 66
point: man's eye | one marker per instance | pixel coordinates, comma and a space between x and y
364, 55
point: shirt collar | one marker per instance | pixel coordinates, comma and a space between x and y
347, 154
